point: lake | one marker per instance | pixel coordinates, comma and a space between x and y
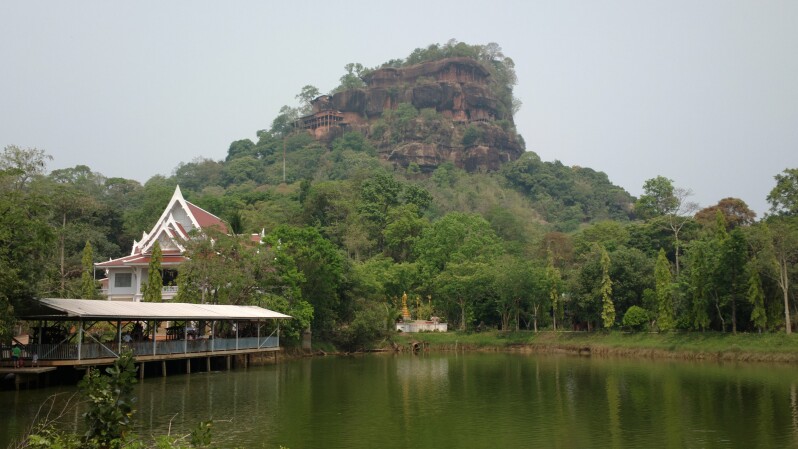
474, 400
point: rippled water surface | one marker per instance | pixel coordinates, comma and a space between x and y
464, 401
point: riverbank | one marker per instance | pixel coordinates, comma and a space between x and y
678, 345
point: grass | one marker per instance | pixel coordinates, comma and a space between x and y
704, 345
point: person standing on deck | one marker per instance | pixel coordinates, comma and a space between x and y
16, 354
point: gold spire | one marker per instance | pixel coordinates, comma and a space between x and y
405, 311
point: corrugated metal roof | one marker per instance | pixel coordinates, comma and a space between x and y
55, 308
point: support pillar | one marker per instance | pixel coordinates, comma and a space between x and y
208, 364
229, 361
153, 331
119, 337
213, 335
163, 368
141, 371
188, 366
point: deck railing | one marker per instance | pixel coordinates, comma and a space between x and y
69, 351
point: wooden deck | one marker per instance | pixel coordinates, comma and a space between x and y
27, 375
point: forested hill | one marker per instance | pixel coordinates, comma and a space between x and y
425, 196
447, 107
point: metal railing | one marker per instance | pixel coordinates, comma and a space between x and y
87, 351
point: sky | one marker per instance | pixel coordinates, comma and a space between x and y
702, 92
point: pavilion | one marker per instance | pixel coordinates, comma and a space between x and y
79, 332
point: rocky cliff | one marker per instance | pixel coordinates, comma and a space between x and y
460, 119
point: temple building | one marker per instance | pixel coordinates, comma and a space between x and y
125, 276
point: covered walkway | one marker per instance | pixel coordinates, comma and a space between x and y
74, 332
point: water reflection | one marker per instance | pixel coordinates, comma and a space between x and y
465, 401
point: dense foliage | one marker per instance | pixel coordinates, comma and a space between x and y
345, 236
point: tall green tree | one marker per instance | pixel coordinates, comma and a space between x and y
153, 289
783, 198
733, 262
663, 289
554, 284
324, 270
658, 198
462, 288
607, 306
456, 237
517, 287
700, 278
783, 256
25, 232
669, 206
88, 286
756, 296
305, 96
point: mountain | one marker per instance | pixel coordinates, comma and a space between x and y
424, 114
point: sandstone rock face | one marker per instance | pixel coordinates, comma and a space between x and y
456, 89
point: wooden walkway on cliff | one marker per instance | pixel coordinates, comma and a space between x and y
75, 332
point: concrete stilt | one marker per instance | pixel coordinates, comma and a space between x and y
188, 366
141, 370
208, 364
163, 368
229, 362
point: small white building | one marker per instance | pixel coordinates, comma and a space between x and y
125, 275
422, 326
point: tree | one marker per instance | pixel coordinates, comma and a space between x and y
378, 194
756, 296
402, 230
553, 283
735, 213
352, 77
732, 267
658, 198
783, 198
88, 286
109, 417
783, 255
323, 270
456, 237
22, 165
700, 284
608, 308
224, 269
77, 215
239, 148
305, 96
518, 289
669, 205
783, 229
463, 286
25, 232
152, 291
662, 275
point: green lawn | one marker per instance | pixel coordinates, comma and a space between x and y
690, 344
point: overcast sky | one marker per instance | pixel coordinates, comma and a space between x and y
702, 92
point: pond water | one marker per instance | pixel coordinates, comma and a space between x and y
478, 400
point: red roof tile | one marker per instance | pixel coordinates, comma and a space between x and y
206, 219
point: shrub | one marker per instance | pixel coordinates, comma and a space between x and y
471, 135
635, 318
